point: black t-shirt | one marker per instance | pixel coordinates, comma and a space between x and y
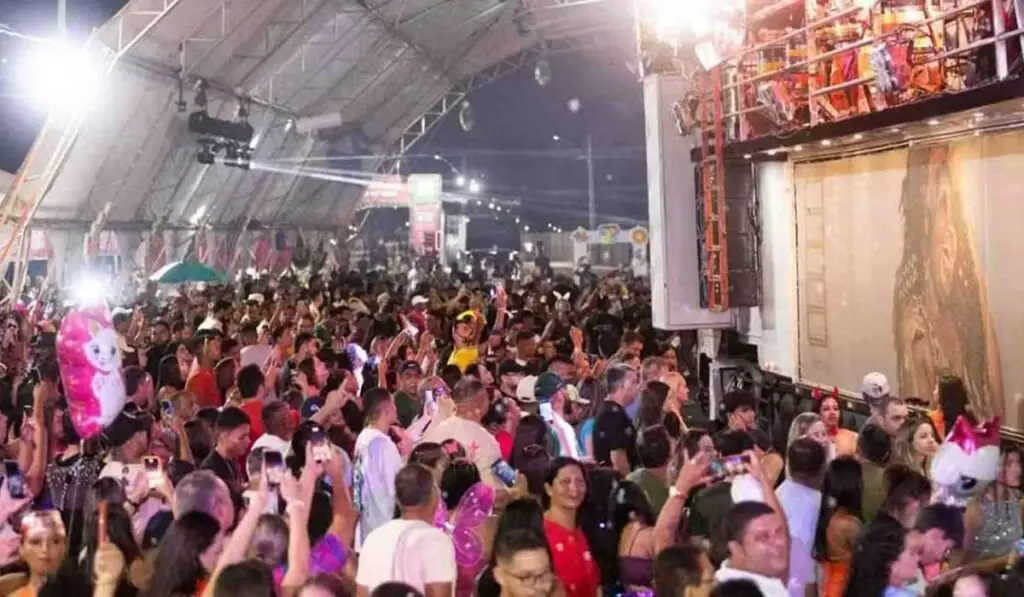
613, 430
226, 470
707, 514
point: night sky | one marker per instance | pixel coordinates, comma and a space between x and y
516, 121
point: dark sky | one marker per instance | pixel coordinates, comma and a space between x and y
515, 118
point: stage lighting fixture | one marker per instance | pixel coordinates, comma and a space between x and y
201, 123
207, 151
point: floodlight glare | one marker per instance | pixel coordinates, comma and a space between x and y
62, 78
89, 291
460, 181
474, 186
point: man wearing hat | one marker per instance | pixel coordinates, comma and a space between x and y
550, 392
417, 315
407, 392
510, 373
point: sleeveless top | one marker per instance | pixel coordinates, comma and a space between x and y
635, 571
1001, 526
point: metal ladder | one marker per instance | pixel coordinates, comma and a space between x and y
712, 128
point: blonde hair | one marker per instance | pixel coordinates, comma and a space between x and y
798, 428
903, 444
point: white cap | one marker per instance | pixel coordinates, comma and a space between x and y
526, 390
875, 386
419, 300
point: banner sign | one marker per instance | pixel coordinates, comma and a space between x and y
425, 212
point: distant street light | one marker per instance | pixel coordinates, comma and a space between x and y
474, 186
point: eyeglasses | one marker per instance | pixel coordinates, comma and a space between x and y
533, 579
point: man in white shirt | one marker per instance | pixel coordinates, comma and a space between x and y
758, 547
377, 461
801, 501
471, 403
278, 427
550, 392
410, 549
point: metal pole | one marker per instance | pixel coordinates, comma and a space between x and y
62, 18
591, 193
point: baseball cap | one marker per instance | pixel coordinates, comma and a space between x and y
410, 367
156, 528
510, 367
574, 395
526, 389
875, 386
419, 300
310, 406
548, 385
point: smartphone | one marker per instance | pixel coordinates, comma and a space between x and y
167, 408
27, 409
546, 412
154, 471
321, 447
504, 471
15, 480
729, 466
273, 467
429, 401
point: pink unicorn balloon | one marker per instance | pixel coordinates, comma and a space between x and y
90, 366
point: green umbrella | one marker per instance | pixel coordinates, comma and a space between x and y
181, 272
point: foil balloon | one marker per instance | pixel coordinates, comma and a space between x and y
90, 366
966, 463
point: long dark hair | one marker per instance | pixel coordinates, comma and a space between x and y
177, 569
119, 532
952, 401
168, 373
876, 552
842, 489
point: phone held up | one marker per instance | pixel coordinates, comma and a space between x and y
154, 471
16, 486
321, 446
273, 467
728, 467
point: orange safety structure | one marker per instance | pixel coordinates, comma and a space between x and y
716, 254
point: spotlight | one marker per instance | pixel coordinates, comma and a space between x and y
207, 151
201, 123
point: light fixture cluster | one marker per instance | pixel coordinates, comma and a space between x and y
236, 138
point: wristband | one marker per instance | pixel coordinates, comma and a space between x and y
296, 505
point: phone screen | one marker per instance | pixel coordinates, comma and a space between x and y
167, 408
321, 447
504, 471
273, 467
154, 471
15, 480
730, 466
429, 401
546, 412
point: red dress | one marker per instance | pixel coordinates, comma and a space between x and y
572, 561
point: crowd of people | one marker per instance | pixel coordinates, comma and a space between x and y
358, 436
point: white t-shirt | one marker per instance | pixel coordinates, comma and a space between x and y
480, 445
376, 464
409, 551
566, 437
769, 586
801, 505
272, 443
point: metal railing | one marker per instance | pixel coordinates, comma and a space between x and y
738, 82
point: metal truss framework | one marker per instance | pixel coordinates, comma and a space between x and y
392, 68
